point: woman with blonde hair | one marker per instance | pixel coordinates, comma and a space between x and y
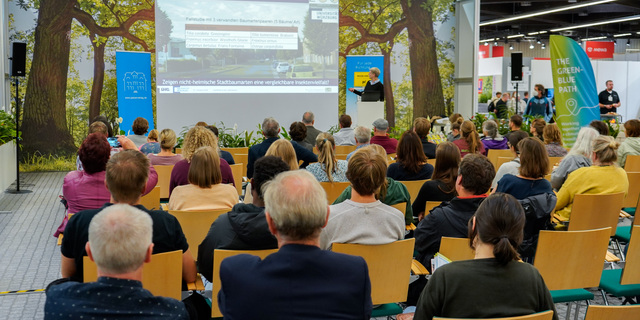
469, 141
165, 157
197, 137
283, 149
205, 190
152, 145
328, 168
553, 141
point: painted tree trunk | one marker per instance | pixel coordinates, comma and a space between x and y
98, 80
389, 101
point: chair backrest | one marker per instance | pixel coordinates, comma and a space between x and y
340, 156
579, 250
234, 151
502, 160
631, 272
456, 249
546, 315
594, 211
218, 256
178, 150
344, 149
236, 170
389, 267
632, 163
151, 200
553, 161
494, 154
164, 179
401, 206
430, 205
244, 159
334, 189
432, 162
162, 276
612, 312
631, 200
547, 177
196, 224
413, 187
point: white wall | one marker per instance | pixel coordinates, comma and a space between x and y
540, 74
7, 165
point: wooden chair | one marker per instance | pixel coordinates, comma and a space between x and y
546, 315
624, 282
234, 151
178, 150
456, 249
340, 156
502, 160
162, 276
594, 211
612, 313
236, 170
389, 271
631, 200
151, 200
553, 161
164, 179
196, 225
547, 177
494, 154
344, 149
244, 159
218, 256
432, 162
570, 261
401, 206
430, 205
334, 189
413, 187
632, 163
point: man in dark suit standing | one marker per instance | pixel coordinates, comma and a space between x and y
300, 281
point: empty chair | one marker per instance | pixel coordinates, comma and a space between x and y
547, 315
612, 313
624, 282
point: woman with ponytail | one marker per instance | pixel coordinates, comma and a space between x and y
328, 168
469, 141
494, 284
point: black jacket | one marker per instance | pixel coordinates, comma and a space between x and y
538, 211
243, 228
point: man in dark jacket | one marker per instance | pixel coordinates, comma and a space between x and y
450, 218
245, 226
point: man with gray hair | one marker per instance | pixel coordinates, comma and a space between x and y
362, 136
120, 242
300, 281
270, 131
380, 136
309, 120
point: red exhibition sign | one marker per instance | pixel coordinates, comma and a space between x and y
599, 49
483, 52
497, 51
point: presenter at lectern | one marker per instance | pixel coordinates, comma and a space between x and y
373, 85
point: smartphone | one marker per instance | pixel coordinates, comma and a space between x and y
113, 142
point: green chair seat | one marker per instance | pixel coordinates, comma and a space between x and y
630, 210
610, 282
387, 309
570, 295
623, 233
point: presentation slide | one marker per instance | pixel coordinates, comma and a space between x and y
241, 58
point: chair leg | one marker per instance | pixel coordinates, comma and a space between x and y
568, 311
620, 250
604, 297
575, 316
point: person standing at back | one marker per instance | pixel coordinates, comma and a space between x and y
609, 100
539, 105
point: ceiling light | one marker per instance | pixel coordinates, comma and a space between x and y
622, 35
631, 18
594, 38
531, 46
486, 44
615, 43
545, 12
539, 41
543, 46
628, 42
495, 43
511, 47
515, 36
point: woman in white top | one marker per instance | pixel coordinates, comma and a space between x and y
205, 190
328, 168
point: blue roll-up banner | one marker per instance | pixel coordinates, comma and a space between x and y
133, 70
357, 76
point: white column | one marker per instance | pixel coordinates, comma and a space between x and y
466, 57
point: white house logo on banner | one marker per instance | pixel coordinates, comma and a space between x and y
135, 81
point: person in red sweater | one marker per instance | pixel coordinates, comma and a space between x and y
380, 136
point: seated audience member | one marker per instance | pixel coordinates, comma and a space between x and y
442, 186
140, 127
166, 157
470, 140
494, 284
300, 281
198, 136
579, 156
362, 136
344, 137
126, 175
152, 145
600, 126
391, 192
492, 138
456, 122
104, 120
380, 136
363, 219
411, 163
534, 190
603, 177
270, 131
450, 218
537, 128
422, 126
298, 132
512, 166
226, 155
631, 144
205, 190
120, 242
100, 127
553, 141
245, 226
515, 122
328, 168
308, 119
282, 149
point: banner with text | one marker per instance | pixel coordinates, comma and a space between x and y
600, 49
574, 82
133, 71
357, 77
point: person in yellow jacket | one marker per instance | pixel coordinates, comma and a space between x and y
603, 177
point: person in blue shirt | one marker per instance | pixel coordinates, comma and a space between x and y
539, 105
